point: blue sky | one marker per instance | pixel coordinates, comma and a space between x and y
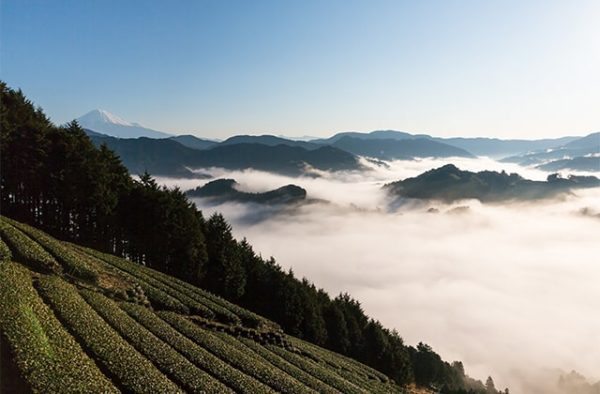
216, 68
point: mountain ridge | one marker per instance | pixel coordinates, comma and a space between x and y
393, 149
479, 146
582, 154
225, 190
168, 157
448, 183
104, 122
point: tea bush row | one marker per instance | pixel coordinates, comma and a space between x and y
133, 371
5, 253
317, 370
286, 366
339, 361
204, 359
49, 358
167, 359
236, 356
146, 281
247, 317
25, 250
73, 264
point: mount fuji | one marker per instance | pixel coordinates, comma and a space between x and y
104, 122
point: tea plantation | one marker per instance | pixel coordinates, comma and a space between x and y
76, 320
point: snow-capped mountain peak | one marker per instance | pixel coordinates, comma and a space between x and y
104, 122
100, 115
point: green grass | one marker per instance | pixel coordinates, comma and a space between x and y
133, 371
48, 357
25, 250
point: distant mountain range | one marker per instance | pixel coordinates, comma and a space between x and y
269, 140
582, 154
169, 158
156, 156
194, 142
225, 190
160, 153
491, 147
393, 149
591, 164
448, 183
497, 148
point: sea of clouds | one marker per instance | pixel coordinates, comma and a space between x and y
510, 289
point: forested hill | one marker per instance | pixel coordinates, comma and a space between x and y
55, 179
76, 320
224, 190
404, 149
449, 183
170, 158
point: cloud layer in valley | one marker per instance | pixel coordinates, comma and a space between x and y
511, 290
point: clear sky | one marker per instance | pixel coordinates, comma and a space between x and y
511, 68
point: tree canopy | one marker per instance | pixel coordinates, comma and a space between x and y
54, 178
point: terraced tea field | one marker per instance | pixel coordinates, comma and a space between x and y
76, 320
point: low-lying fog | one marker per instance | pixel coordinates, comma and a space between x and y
512, 290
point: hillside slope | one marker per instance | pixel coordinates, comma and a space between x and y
449, 183
393, 149
76, 320
225, 190
167, 157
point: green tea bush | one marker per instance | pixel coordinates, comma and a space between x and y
235, 355
335, 363
146, 282
224, 310
284, 365
25, 250
221, 313
204, 359
213, 301
133, 371
49, 358
73, 264
319, 371
5, 253
339, 361
167, 359
157, 298
161, 300
218, 305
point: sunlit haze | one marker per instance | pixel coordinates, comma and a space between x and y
509, 289
332, 196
